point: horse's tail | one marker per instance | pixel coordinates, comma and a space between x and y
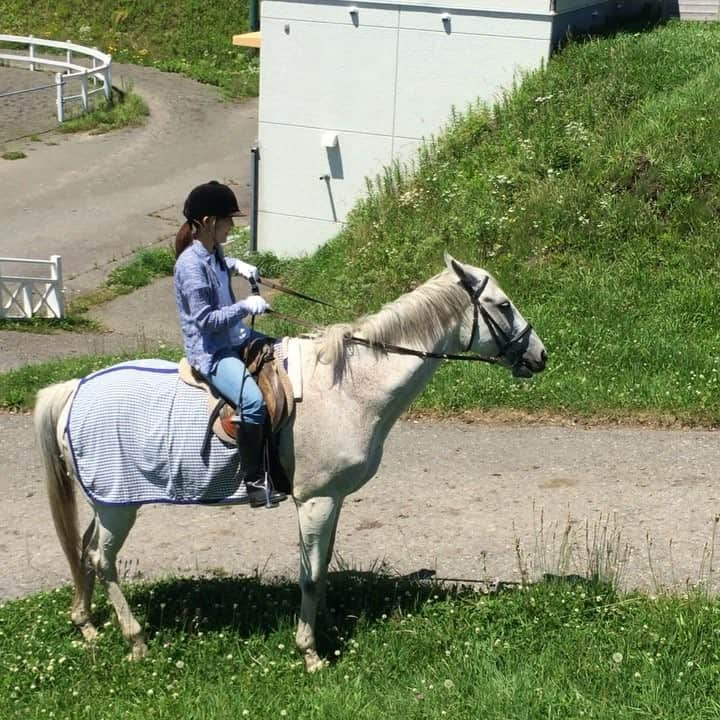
60, 485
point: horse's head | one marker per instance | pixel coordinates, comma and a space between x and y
493, 326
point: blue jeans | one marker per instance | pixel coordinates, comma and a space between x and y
227, 376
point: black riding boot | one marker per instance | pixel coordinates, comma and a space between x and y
251, 448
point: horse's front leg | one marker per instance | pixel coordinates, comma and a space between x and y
317, 519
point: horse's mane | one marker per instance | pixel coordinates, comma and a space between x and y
420, 318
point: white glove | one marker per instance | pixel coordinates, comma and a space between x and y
248, 271
254, 305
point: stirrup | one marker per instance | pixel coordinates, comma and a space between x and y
263, 494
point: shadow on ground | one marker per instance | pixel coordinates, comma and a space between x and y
250, 606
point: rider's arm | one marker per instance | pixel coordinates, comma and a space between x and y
200, 300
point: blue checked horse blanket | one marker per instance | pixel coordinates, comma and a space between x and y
136, 432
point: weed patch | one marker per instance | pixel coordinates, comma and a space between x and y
125, 110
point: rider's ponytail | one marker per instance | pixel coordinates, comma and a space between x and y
183, 239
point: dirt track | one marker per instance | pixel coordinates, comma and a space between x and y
449, 497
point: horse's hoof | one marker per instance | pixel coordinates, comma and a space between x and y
139, 652
89, 632
313, 662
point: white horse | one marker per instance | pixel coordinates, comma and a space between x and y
357, 380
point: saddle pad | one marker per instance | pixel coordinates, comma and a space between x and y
288, 350
136, 431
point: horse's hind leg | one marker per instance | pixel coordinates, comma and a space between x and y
83, 592
113, 525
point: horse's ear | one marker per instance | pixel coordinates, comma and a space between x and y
454, 266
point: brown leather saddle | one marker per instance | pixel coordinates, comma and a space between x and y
269, 373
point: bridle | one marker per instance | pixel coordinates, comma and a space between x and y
508, 348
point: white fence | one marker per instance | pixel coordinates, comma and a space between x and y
76, 73
25, 296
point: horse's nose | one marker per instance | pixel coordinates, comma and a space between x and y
543, 360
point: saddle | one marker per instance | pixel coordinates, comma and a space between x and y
272, 379
279, 394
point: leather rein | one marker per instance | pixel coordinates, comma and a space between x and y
507, 346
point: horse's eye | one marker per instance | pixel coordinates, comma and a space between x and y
504, 305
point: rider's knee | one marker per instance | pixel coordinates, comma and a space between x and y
253, 406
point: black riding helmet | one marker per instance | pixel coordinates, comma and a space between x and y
212, 199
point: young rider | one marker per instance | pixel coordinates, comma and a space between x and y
211, 321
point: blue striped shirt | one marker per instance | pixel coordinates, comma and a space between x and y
210, 317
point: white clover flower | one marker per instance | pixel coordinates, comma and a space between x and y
617, 657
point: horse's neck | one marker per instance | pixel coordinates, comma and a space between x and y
393, 381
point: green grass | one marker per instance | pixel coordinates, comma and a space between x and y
72, 322
185, 36
126, 110
13, 155
593, 193
223, 648
19, 387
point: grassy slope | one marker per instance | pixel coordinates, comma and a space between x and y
185, 36
593, 193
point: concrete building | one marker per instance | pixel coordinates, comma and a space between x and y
348, 87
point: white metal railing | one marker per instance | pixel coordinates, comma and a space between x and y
98, 73
24, 296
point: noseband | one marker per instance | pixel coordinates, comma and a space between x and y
507, 347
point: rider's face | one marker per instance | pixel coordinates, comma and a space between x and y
222, 227
214, 231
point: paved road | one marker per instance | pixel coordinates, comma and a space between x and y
28, 113
449, 497
96, 198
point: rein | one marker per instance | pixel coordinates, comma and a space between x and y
502, 340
